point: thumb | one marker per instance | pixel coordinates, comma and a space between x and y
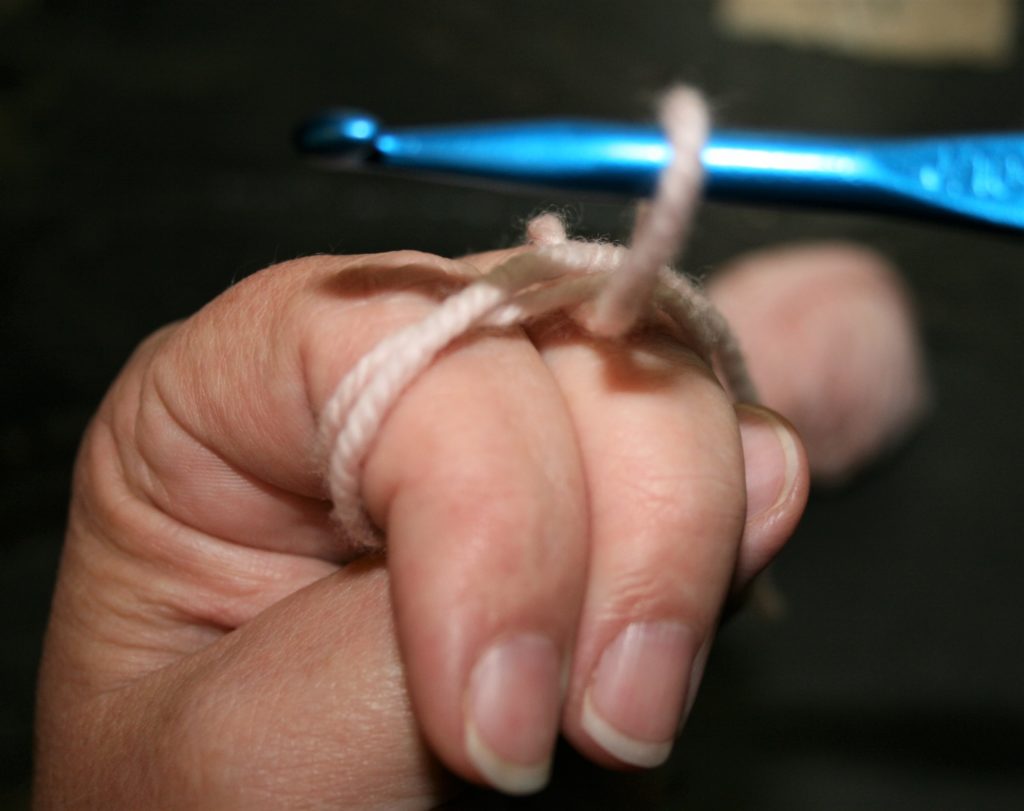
832, 343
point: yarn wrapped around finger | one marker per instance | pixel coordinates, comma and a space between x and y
609, 290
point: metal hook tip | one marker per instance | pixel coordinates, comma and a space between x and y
345, 135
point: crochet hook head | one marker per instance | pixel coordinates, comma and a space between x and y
573, 154
974, 178
343, 137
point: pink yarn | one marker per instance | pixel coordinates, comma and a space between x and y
625, 286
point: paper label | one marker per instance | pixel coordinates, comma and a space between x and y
980, 32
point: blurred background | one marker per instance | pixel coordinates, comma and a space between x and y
145, 165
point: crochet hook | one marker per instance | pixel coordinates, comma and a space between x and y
974, 178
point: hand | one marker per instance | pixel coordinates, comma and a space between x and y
564, 518
833, 343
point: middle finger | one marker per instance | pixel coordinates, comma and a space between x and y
664, 470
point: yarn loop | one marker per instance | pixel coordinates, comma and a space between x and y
622, 288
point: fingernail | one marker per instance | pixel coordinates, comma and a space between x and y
513, 706
770, 456
700, 661
633, 705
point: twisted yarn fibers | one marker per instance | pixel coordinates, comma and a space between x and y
625, 286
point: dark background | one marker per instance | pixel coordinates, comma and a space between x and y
145, 165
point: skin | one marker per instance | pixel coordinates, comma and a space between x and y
860, 384
207, 646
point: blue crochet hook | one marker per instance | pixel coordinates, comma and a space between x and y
974, 178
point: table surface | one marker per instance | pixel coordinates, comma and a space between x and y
146, 166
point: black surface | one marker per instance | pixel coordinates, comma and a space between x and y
145, 165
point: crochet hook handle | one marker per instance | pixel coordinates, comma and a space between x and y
975, 178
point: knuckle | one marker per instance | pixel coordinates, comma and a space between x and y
681, 531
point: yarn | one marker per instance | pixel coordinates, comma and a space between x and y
624, 288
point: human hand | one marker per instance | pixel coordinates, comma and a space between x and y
565, 519
833, 344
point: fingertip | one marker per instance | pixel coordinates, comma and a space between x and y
512, 710
633, 704
777, 480
772, 458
